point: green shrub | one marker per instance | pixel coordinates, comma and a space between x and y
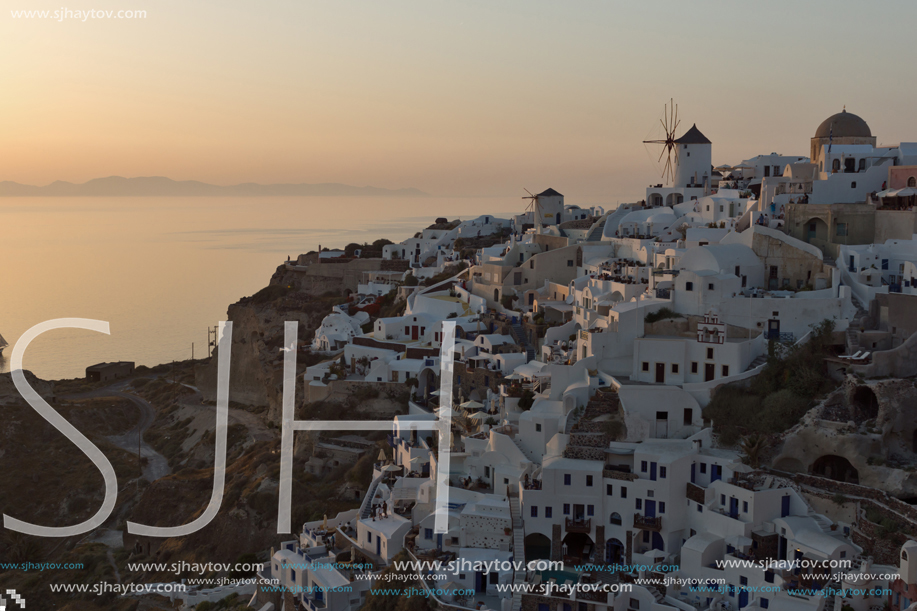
662, 314
780, 395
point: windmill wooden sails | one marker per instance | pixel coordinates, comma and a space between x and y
669, 123
535, 209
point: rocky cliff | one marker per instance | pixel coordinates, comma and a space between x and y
256, 366
864, 432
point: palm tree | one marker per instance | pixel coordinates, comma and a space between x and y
753, 446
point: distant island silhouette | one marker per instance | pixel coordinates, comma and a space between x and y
118, 186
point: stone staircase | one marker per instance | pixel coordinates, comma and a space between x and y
760, 360
521, 339
595, 233
853, 341
588, 439
823, 523
515, 512
518, 445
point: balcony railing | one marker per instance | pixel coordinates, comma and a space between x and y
579, 525
645, 523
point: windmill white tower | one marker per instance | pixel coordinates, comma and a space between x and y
547, 208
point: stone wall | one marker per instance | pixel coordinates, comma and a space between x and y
474, 379
486, 531
332, 275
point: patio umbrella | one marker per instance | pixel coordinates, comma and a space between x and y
656, 554
887, 193
482, 416
906, 192
469, 405
381, 455
390, 468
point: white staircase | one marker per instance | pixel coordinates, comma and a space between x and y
515, 512
367, 506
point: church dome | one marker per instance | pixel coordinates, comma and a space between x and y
845, 125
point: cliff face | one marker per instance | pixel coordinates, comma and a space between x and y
340, 276
864, 432
256, 365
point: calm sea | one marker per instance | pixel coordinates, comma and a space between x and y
163, 270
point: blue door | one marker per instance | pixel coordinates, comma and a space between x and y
784, 506
657, 542
378, 546
734, 507
439, 541
479, 583
743, 599
716, 472
653, 471
693, 469
650, 508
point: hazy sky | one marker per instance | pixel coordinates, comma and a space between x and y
465, 97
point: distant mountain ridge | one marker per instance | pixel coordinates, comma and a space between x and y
118, 186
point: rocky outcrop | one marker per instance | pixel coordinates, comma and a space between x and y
341, 276
256, 365
865, 432
10, 396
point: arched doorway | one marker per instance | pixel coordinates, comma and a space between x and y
614, 552
426, 383
816, 229
865, 404
577, 547
537, 547
837, 468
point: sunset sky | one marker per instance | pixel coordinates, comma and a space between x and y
471, 97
